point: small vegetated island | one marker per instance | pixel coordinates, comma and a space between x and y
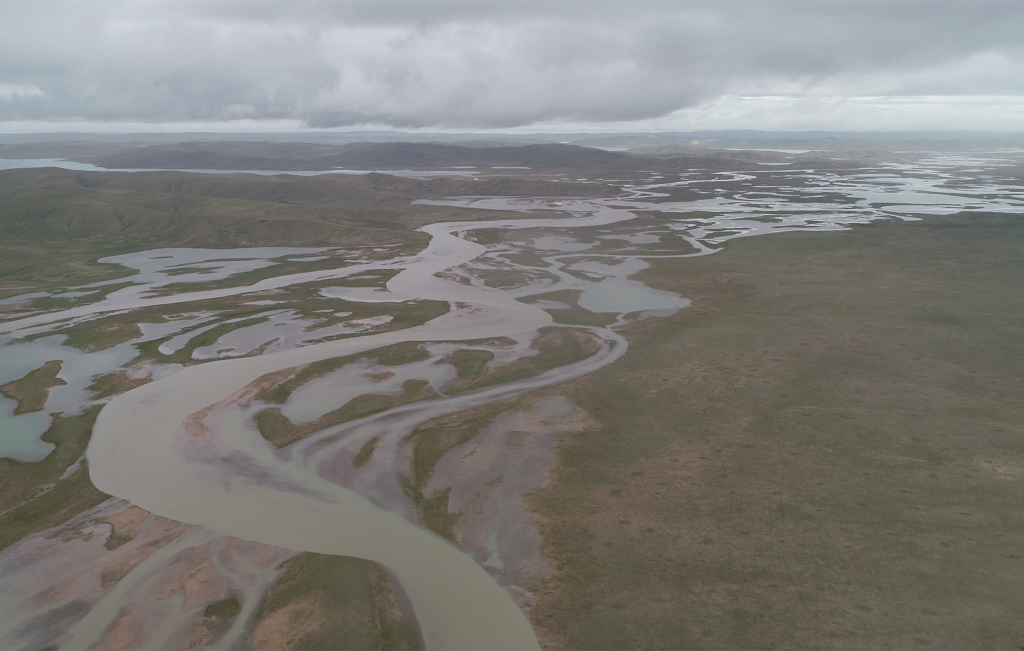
512, 396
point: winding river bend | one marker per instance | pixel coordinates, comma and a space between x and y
140, 451
146, 449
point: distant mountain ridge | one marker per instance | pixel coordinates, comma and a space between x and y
364, 156
384, 156
486, 157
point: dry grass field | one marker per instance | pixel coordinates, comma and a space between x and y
825, 451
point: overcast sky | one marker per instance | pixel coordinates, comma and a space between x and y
173, 66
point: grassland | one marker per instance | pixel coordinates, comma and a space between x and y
393, 355
63, 299
365, 452
824, 451
111, 384
281, 432
218, 616
274, 426
110, 330
32, 391
555, 347
468, 362
57, 223
285, 265
334, 602
429, 442
37, 496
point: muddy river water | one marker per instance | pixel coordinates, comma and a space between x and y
140, 452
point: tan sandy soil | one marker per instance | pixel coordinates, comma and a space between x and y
163, 531
282, 629
127, 634
128, 522
193, 574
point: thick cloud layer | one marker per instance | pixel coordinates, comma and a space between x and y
480, 65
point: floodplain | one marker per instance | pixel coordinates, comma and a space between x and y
745, 408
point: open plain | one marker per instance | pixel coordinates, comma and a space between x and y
526, 395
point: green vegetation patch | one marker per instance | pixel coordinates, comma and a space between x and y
33, 497
468, 362
433, 438
281, 432
60, 302
217, 618
282, 266
556, 347
395, 355
429, 442
43, 212
92, 336
240, 315
58, 223
224, 609
335, 602
34, 266
365, 452
510, 278
108, 330
116, 539
32, 391
184, 271
433, 511
115, 383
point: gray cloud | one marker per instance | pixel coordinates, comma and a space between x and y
485, 64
